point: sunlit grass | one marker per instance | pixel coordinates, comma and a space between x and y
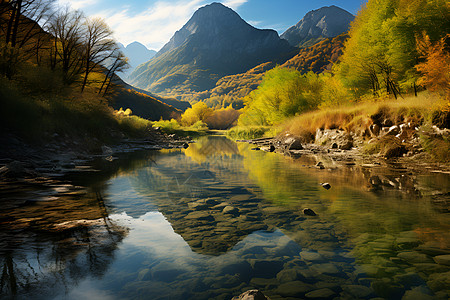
358, 117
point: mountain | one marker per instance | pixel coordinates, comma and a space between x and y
214, 43
316, 25
233, 88
137, 54
141, 104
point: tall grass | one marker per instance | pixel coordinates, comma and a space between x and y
358, 117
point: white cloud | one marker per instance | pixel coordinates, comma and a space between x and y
154, 25
77, 4
234, 4
255, 23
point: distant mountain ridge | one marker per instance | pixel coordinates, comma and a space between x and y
137, 54
316, 25
214, 43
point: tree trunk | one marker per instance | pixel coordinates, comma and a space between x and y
16, 23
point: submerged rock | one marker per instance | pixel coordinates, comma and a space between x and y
309, 212
251, 295
326, 185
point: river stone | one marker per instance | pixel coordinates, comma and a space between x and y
166, 272
414, 257
200, 215
430, 268
327, 268
311, 256
320, 294
197, 205
269, 148
287, 275
294, 289
309, 212
230, 210
409, 279
293, 143
251, 295
266, 268
421, 292
442, 259
359, 291
262, 282
439, 281
407, 242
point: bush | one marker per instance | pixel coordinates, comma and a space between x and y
247, 133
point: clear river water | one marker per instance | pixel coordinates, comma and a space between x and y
217, 219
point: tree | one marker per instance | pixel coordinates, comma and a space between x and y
66, 50
282, 93
435, 69
198, 112
22, 36
119, 64
380, 54
98, 46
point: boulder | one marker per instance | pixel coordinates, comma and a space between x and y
333, 138
293, 143
269, 148
374, 130
251, 295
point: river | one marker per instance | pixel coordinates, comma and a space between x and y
217, 219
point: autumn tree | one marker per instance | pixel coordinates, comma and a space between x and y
198, 112
98, 46
22, 36
380, 55
435, 69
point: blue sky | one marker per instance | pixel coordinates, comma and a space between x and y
153, 22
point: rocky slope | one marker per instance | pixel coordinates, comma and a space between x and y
325, 22
214, 43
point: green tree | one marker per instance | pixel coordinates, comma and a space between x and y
282, 93
380, 54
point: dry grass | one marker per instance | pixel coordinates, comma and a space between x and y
357, 118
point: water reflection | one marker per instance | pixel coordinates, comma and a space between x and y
216, 219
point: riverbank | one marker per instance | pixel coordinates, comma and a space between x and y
21, 159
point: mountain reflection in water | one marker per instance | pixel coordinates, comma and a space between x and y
216, 219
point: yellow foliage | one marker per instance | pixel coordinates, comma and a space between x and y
436, 67
198, 112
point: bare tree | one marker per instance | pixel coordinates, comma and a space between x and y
98, 46
67, 46
119, 64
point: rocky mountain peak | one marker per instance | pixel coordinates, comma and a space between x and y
328, 21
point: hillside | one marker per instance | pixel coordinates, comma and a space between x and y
214, 43
231, 89
316, 25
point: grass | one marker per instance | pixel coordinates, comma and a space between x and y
424, 109
173, 127
35, 113
249, 132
